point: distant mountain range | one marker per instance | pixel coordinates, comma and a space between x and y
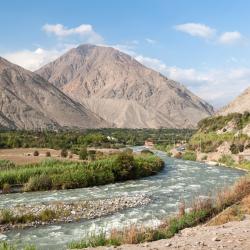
92, 87
239, 105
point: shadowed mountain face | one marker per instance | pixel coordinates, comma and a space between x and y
27, 101
122, 91
239, 105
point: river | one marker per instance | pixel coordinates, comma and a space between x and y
179, 180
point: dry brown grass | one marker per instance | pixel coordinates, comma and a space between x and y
233, 213
238, 198
229, 196
22, 156
201, 211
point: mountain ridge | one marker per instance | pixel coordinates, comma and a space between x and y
239, 105
27, 101
102, 78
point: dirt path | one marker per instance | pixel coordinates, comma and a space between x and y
233, 235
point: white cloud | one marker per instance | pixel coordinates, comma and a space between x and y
230, 37
196, 29
218, 87
84, 31
150, 41
34, 59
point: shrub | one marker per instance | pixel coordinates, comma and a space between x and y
124, 166
6, 164
234, 149
92, 155
189, 156
64, 153
6, 216
35, 153
70, 156
241, 147
128, 150
227, 160
47, 215
48, 154
38, 183
6, 188
146, 152
83, 154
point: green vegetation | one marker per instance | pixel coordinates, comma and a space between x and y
208, 140
244, 165
6, 164
227, 160
102, 138
7, 246
146, 152
189, 156
64, 153
215, 123
83, 153
55, 174
201, 211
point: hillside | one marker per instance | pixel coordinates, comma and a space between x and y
224, 139
122, 91
240, 104
27, 101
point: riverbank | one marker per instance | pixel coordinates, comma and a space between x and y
34, 215
56, 174
201, 211
230, 236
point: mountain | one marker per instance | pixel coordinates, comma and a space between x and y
239, 105
122, 91
27, 101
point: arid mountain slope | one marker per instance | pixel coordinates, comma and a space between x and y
27, 101
239, 105
122, 91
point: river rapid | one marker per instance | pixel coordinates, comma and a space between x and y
179, 180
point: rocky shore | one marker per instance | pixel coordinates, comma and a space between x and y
34, 215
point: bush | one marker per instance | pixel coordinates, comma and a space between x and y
189, 156
91, 155
38, 183
6, 216
64, 153
227, 160
6, 188
128, 150
47, 215
83, 154
48, 154
6, 164
234, 149
35, 153
146, 152
56, 174
124, 166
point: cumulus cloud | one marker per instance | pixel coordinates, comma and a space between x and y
196, 29
34, 59
218, 87
230, 37
84, 31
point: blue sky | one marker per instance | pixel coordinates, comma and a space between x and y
203, 44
